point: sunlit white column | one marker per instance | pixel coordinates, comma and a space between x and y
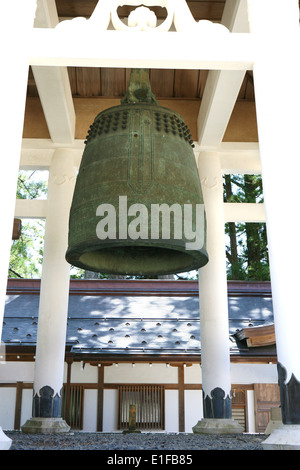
275, 26
15, 23
54, 297
214, 327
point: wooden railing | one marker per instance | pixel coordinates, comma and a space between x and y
72, 409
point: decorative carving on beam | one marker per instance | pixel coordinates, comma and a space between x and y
60, 180
143, 18
211, 183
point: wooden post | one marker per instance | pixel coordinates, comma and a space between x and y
181, 412
19, 393
17, 229
100, 398
67, 391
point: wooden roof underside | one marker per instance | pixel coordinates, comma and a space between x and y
113, 82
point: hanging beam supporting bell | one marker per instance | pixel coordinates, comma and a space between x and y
137, 207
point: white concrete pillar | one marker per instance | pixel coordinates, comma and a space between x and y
14, 85
54, 297
14, 59
275, 26
215, 354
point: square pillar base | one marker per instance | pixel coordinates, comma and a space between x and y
217, 426
285, 437
5, 442
45, 426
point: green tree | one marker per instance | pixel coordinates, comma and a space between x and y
30, 187
235, 260
26, 254
246, 251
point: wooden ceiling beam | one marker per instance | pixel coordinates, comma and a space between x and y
201, 9
53, 85
222, 86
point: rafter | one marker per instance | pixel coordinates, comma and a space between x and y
222, 86
53, 84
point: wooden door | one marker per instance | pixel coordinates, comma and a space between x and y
239, 407
266, 396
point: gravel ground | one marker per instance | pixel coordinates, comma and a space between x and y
114, 442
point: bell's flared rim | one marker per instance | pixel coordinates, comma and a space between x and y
137, 257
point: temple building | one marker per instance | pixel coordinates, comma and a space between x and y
139, 341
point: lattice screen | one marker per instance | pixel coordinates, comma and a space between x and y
149, 402
72, 406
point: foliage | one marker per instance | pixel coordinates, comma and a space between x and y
26, 254
30, 188
246, 250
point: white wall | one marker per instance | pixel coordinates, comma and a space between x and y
253, 373
110, 410
17, 371
171, 411
140, 373
7, 407
193, 374
90, 410
84, 374
26, 410
193, 408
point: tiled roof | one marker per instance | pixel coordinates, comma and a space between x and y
133, 324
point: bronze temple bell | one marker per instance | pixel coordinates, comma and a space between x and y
138, 160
